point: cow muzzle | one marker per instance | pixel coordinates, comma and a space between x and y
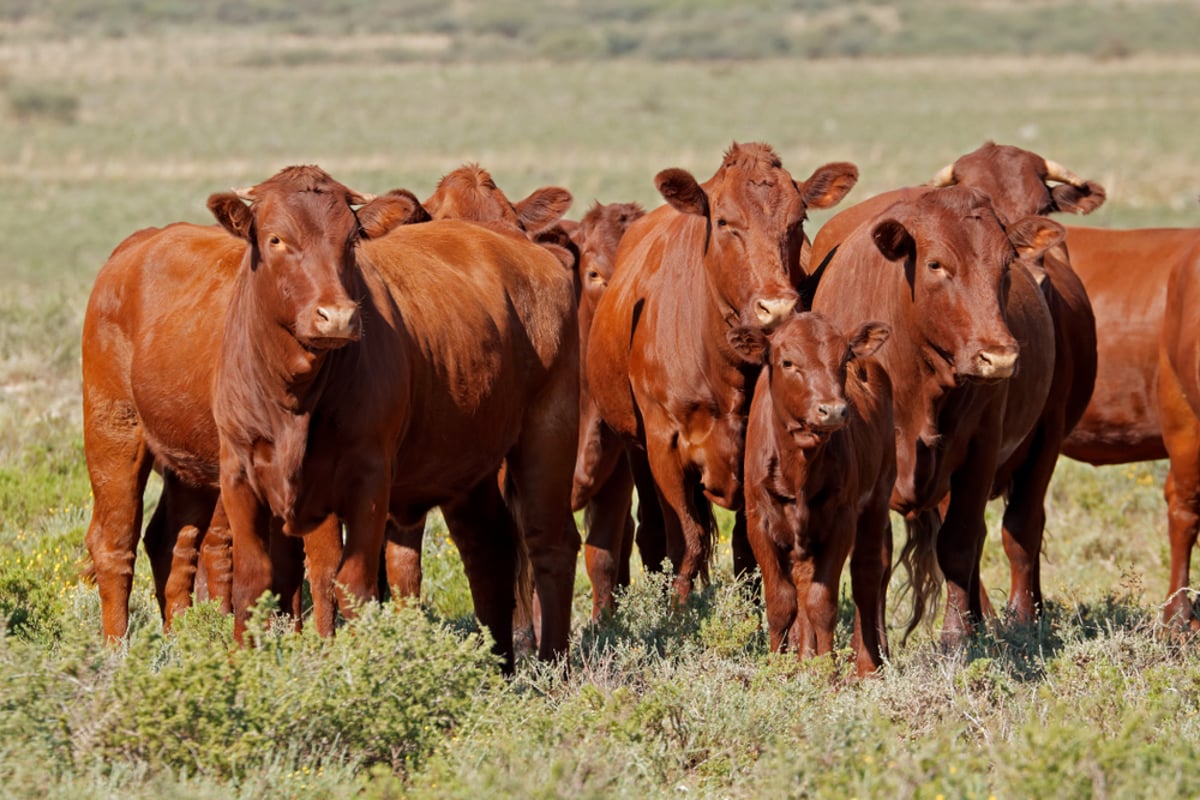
994, 364
336, 325
770, 311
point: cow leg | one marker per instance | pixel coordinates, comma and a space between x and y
287, 572
651, 528
1181, 435
216, 560
960, 547
1025, 521
402, 557
249, 527
538, 489
870, 571
366, 518
118, 466
322, 558
485, 534
189, 511
803, 635
778, 589
829, 558
609, 538
690, 531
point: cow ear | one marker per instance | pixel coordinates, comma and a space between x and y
869, 338
1033, 236
233, 214
894, 240
749, 343
543, 208
397, 207
682, 192
829, 184
1082, 199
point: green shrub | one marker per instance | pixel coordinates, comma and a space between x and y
32, 103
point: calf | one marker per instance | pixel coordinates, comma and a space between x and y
820, 465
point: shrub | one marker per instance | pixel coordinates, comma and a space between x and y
31, 103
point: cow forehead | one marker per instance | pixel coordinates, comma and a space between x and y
809, 339
759, 194
306, 215
1013, 178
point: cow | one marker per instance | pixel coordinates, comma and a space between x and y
1126, 274
954, 284
1179, 414
604, 472
346, 391
1020, 183
660, 367
470, 193
820, 466
148, 356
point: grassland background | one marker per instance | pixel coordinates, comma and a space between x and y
118, 116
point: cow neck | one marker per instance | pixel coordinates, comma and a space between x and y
270, 385
918, 371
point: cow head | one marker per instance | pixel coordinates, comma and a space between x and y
755, 213
956, 258
597, 237
469, 193
807, 359
302, 233
1019, 182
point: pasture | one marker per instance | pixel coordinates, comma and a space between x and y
101, 137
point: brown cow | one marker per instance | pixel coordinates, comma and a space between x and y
1017, 183
963, 306
148, 356
660, 366
820, 466
1179, 411
469, 193
319, 421
604, 476
1126, 274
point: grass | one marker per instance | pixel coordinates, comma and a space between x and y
1095, 700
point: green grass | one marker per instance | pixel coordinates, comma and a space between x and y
1095, 700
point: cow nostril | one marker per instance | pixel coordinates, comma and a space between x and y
322, 314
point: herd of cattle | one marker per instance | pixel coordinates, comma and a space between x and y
318, 371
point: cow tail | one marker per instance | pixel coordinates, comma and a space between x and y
919, 559
709, 532
525, 627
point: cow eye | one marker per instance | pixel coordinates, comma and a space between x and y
787, 363
934, 265
722, 222
274, 241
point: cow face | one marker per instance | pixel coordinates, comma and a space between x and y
755, 213
302, 234
956, 258
469, 193
806, 368
597, 237
1019, 182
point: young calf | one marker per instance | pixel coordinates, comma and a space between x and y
820, 464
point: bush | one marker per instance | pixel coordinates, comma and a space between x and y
32, 103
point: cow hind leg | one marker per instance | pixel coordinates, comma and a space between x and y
1025, 523
1181, 435
485, 534
118, 465
402, 557
609, 539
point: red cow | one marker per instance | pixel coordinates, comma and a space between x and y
603, 477
469, 358
1126, 274
1179, 411
820, 466
148, 356
660, 366
952, 282
469, 193
1017, 184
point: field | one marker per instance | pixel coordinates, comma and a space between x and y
103, 135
